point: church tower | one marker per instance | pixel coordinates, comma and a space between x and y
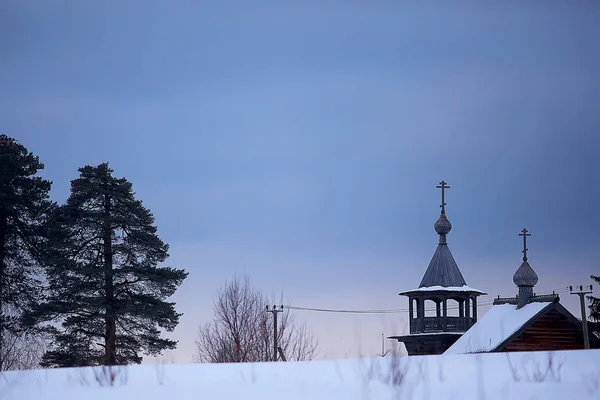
443, 307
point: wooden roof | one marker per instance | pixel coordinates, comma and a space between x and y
442, 270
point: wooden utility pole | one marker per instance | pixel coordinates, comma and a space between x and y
275, 311
384, 352
581, 291
281, 355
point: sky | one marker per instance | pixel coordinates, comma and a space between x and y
300, 143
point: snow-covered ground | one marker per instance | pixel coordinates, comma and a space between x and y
540, 375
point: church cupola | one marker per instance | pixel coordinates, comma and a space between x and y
525, 278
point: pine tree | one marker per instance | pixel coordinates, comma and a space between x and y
24, 208
105, 286
594, 318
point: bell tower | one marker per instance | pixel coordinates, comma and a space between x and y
432, 329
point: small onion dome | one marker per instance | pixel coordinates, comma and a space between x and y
442, 225
525, 275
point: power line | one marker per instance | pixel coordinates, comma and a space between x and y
563, 289
405, 310
347, 311
392, 311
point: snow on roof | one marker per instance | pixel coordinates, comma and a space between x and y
438, 288
435, 333
497, 325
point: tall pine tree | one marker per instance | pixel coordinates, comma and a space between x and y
24, 209
105, 286
594, 318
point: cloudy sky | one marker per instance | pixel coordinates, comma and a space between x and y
301, 142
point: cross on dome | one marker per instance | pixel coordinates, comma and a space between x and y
524, 234
443, 186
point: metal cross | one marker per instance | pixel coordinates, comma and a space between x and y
524, 234
443, 186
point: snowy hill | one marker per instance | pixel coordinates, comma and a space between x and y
540, 375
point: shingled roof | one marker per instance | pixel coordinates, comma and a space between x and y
442, 270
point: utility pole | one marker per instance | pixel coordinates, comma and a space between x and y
275, 311
281, 355
581, 291
384, 352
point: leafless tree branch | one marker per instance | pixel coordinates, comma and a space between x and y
242, 331
20, 350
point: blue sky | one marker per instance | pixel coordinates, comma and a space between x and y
301, 142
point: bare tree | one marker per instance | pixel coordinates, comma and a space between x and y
242, 330
21, 349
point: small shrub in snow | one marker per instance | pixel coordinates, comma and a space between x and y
535, 371
390, 371
110, 375
160, 373
591, 381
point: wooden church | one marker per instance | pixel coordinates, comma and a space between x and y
526, 322
444, 288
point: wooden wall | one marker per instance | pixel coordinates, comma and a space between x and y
552, 331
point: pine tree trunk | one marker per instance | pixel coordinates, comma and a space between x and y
111, 338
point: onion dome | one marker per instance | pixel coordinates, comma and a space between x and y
525, 275
442, 226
